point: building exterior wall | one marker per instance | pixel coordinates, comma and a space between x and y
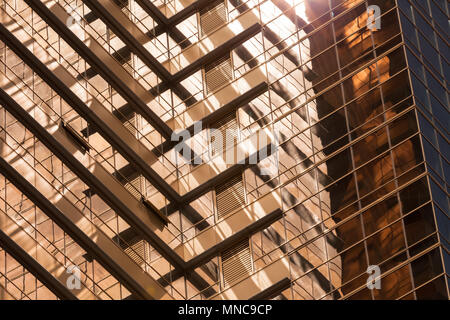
352, 122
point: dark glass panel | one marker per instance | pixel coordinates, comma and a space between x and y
414, 195
423, 245
430, 54
409, 32
435, 290
415, 65
439, 196
420, 91
406, 8
432, 157
407, 155
436, 88
443, 222
427, 129
426, 267
403, 127
419, 224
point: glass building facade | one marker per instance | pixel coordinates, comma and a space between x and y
118, 118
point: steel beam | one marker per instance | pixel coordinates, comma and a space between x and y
191, 69
273, 291
75, 102
225, 175
248, 231
31, 265
86, 176
65, 33
135, 46
129, 171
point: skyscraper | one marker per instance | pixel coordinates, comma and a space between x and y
232, 149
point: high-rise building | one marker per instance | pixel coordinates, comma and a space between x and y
231, 149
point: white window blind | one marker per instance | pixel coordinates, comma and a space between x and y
236, 263
212, 18
218, 73
135, 186
224, 134
229, 196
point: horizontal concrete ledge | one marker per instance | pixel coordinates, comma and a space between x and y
191, 62
230, 225
235, 238
49, 262
237, 225
108, 254
35, 268
273, 290
259, 281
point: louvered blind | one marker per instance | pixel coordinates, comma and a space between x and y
229, 196
135, 186
236, 263
218, 73
135, 248
128, 66
212, 18
131, 124
227, 128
